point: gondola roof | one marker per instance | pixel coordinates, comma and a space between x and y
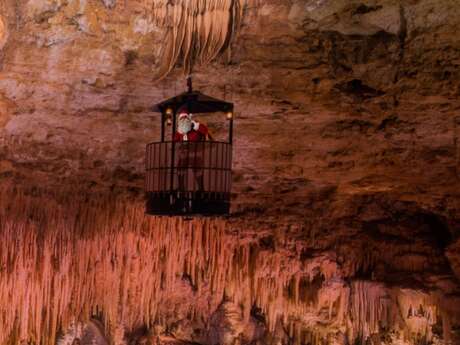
195, 101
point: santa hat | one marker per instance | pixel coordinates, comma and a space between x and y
185, 116
184, 112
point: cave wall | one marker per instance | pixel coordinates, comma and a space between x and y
368, 88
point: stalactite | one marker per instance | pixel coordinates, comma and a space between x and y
3, 32
63, 260
197, 30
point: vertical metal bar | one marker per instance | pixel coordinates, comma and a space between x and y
152, 167
231, 166
210, 166
153, 164
173, 150
147, 168
161, 167
226, 167
164, 164
218, 165
225, 171
229, 169
230, 149
162, 127
221, 166
457, 145
157, 166
230, 134
195, 165
200, 154
213, 175
203, 164
216, 170
187, 169
153, 158
219, 155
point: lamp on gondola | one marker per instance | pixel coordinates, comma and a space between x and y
169, 113
189, 177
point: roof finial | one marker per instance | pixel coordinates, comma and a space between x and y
189, 84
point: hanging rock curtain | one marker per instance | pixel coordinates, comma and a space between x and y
3, 32
197, 30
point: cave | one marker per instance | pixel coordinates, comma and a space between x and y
338, 222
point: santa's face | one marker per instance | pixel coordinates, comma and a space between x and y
185, 124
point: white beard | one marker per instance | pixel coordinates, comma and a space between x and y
184, 126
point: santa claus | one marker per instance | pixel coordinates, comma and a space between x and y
190, 130
190, 156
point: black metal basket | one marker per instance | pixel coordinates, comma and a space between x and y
188, 177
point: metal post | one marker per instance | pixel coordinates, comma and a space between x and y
189, 84
457, 145
230, 134
173, 153
162, 126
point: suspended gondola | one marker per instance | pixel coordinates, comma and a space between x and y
188, 173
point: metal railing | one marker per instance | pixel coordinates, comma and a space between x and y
203, 166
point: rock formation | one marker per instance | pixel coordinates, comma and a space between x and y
346, 209
212, 281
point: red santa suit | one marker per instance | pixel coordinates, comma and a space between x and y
190, 156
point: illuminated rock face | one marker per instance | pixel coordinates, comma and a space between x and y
365, 95
346, 177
